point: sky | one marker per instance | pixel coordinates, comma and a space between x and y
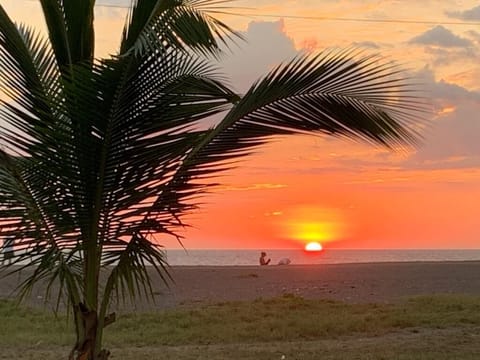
341, 193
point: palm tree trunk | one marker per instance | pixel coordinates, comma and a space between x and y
87, 347
86, 322
89, 325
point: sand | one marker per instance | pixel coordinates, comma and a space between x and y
356, 283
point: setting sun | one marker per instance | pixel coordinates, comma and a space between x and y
313, 246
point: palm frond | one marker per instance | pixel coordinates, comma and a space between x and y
36, 202
149, 130
335, 93
130, 274
29, 79
145, 135
70, 27
338, 94
38, 243
181, 24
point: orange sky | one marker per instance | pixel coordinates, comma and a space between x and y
344, 194
356, 206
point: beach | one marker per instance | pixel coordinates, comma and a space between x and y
353, 283
377, 319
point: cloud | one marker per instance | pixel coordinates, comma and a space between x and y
442, 91
264, 186
110, 13
452, 141
366, 44
440, 36
274, 213
471, 14
475, 35
467, 76
447, 56
446, 48
266, 46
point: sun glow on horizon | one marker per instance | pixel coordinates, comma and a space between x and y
313, 246
313, 225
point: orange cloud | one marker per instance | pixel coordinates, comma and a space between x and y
446, 110
252, 187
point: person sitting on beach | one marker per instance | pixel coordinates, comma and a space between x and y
284, 261
264, 261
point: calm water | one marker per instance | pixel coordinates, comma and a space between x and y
250, 257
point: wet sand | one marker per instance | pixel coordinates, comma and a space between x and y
356, 283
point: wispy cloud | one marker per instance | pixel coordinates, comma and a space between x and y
440, 36
274, 213
267, 186
366, 44
471, 14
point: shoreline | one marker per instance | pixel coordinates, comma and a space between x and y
327, 256
333, 264
381, 282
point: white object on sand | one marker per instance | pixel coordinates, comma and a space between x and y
284, 261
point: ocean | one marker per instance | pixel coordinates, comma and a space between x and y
216, 257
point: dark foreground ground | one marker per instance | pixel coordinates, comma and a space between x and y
425, 328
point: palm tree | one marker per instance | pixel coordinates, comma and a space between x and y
98, 155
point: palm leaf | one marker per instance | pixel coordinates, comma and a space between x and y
70, 27
38, 242
339, 94
150, 131
181, 24
33, 201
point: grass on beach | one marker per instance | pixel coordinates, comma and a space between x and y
437, 327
